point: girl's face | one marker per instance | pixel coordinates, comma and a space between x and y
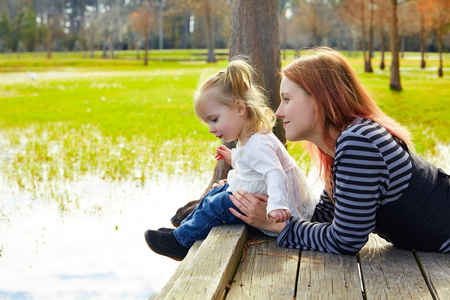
298, 112
225, 122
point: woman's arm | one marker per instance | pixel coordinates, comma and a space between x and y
361, 174
324, 211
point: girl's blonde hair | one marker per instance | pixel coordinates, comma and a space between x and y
339, 97
236, 83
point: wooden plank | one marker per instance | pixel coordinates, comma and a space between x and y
178, 271
436, 269
265, 272
391, 273
328, 276
208, 273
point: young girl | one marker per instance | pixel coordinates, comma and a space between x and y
235, 108
373, 182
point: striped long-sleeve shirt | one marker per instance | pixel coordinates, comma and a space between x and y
370, 169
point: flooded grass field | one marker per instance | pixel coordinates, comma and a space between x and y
92, 156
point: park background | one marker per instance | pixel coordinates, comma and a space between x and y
99, 140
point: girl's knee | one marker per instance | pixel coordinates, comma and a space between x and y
219, 202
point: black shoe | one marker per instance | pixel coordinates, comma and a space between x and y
163, 242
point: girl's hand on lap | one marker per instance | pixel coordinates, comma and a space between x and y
220, 183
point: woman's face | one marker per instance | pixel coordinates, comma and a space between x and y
298, 112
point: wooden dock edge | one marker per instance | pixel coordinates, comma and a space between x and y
385, 272
209, 266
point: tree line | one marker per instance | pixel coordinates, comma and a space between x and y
114, 25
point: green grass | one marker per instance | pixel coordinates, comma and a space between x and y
120, 120
82, 61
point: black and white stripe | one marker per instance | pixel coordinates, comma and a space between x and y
370, 169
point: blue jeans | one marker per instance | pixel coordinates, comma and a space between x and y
213, 210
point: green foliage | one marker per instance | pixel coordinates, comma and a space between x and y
5, 31
21, 33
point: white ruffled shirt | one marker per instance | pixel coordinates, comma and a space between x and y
263, 165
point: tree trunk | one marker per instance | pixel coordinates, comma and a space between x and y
105, 48
395, 64
146, 49
283, 31
161, 25
402, 47
185, 37
253, 35
50, 37
368, 67
91, 45
211, 55
363, 33
439, 42
422, 40
382, 46
315, 30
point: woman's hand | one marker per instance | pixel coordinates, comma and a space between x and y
253, 208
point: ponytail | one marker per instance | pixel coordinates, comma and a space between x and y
238, 78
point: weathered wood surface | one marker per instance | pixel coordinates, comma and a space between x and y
436, 268
266, 271
328, 276
179, 270
391, 273
209, 270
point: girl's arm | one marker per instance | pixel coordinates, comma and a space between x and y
263, 159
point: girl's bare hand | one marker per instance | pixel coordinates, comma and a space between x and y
223, 153
279, 215
220, 183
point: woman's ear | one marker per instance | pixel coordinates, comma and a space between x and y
242, 109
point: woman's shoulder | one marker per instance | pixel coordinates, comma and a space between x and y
363, 129
367, 137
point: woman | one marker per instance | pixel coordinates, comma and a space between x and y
373, 183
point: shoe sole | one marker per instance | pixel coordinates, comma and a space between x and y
149, 244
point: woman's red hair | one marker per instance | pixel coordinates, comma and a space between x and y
339, 97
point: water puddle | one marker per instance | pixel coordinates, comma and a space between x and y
97, 251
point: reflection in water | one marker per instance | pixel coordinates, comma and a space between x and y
96, 251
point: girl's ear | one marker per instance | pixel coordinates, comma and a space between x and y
242, 109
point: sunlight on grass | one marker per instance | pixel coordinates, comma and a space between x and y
118, 120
